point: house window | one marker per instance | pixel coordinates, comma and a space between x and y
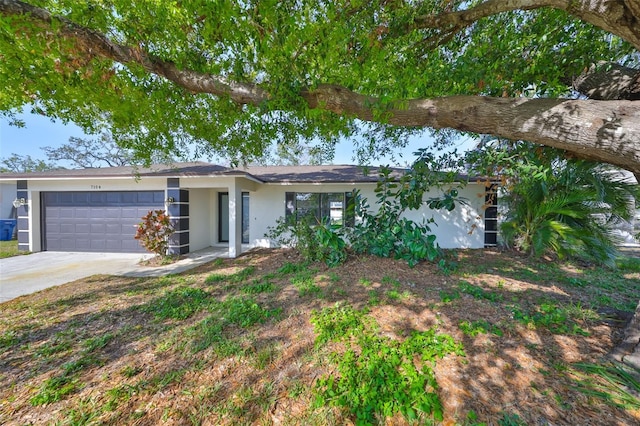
334, 208
245, 218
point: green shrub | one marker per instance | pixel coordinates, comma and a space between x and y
386, 233
560, 205
316, 242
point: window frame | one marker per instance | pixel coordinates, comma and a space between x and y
322, 212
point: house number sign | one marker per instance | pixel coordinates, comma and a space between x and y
96, 187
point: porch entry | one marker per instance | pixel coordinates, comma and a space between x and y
223, 217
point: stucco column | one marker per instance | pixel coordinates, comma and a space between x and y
235, 219
491, 216
178, 210
22, 214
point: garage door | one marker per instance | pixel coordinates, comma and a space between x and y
95, 221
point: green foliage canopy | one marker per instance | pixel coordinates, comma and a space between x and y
231, 78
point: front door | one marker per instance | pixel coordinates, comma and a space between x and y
223, 217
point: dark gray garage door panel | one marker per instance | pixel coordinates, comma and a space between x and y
96, 221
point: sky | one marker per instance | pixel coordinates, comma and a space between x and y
41, 131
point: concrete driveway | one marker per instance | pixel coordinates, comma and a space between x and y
27, 274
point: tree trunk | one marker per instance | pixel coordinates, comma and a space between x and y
628, 351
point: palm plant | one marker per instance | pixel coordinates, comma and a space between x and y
568, 208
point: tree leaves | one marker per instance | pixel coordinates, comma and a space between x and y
274, 53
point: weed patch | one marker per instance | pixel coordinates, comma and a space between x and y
86, 360
628, 264
178, 304
339, 323
235, 278
210, 332
478, 292
550, 316
379, 376
54, 347
246, 312
99, 342
55, 389
473, 328
116, 350
292, 268
449, 296
304, 282
59, 387
510, 419
259, 286
8, 339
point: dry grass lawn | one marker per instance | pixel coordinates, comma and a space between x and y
267, 340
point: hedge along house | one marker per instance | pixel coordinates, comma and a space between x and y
98, 209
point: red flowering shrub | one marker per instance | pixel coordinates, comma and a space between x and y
154, 232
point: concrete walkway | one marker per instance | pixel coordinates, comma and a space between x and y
20, 275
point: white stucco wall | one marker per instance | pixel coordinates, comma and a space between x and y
200, 213
267, 205
461, 228
7, 195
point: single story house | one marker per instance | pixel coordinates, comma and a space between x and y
210, 205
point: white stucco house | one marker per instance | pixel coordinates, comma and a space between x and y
210, 205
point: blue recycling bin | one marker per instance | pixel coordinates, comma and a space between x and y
6, 229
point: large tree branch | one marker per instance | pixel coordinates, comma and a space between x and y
608, 81
93, 43
619, 17
606, 131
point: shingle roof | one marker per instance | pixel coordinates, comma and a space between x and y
269, 174
309, 174
198, 168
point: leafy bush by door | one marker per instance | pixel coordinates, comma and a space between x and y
154, 232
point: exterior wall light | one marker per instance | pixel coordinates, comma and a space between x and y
169, 201
18, 202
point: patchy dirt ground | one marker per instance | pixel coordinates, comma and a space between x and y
96, 351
